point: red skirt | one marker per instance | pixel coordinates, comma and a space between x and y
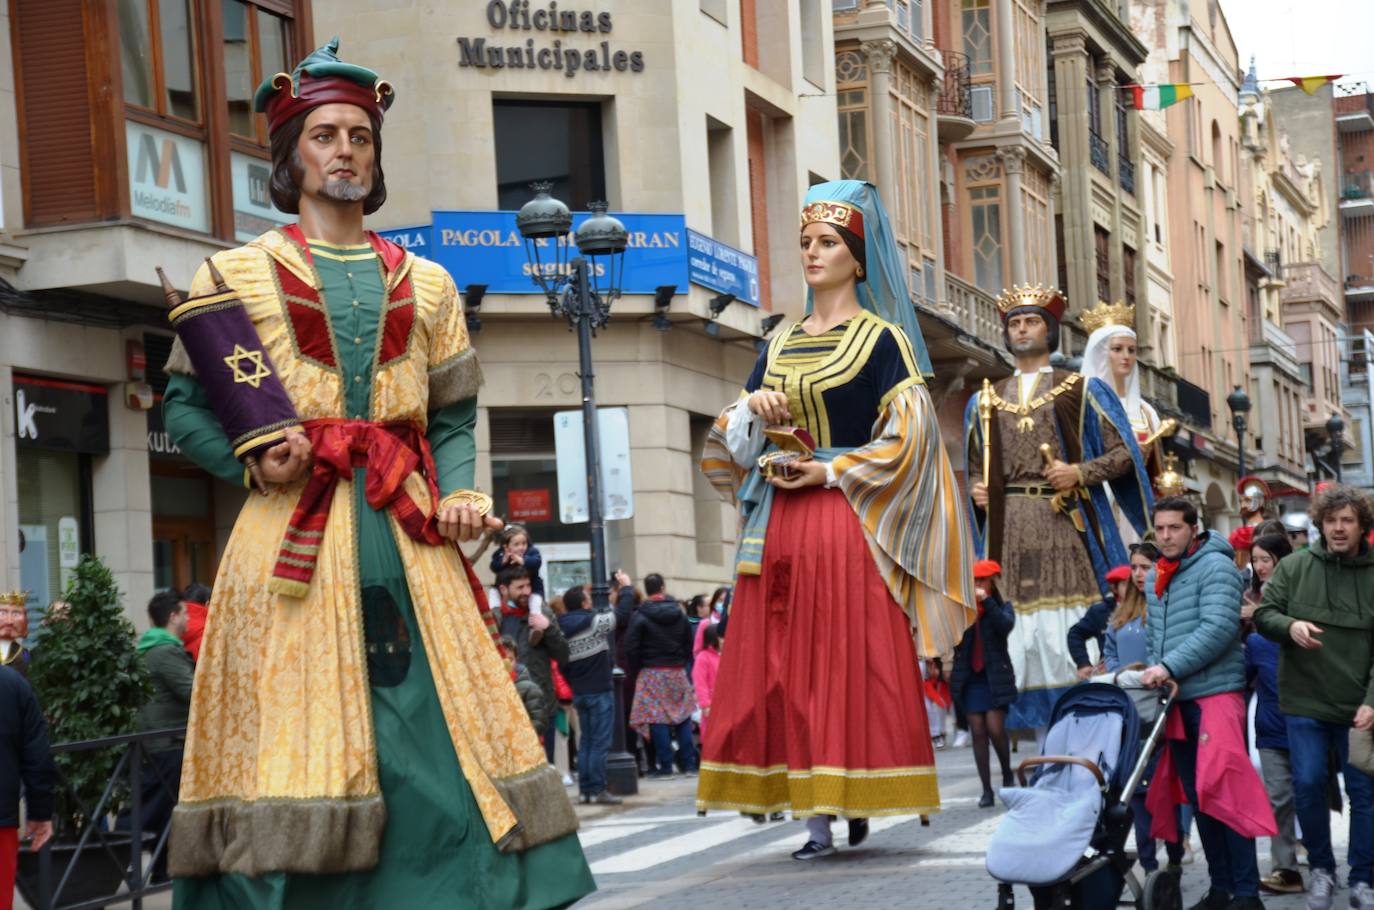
818, 706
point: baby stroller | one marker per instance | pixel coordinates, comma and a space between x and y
1065, 834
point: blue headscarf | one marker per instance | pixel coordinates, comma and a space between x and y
883, 291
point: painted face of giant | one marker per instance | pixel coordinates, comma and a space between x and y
14, 622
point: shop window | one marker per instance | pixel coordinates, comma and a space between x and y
555, 141
50, 509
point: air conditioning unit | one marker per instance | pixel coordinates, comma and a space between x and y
981, 97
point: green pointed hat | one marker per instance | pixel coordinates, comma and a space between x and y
321, 78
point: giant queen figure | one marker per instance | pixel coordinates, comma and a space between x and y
1042, 449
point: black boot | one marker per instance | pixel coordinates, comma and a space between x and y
987, 801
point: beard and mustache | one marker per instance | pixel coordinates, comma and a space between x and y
336, 190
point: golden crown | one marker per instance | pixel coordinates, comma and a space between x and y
14, 598
1122, 314
1046, 298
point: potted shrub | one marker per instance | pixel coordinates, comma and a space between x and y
91, 684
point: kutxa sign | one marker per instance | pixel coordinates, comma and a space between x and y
562, 54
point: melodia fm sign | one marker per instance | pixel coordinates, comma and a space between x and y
536, 52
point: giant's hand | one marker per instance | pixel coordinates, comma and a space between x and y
801, 474
979, 493
462, 522
771, 406
1063, 477
284, 463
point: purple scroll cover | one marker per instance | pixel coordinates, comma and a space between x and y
251, 403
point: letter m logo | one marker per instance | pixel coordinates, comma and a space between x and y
162, 166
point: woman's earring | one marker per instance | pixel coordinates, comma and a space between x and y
860, 273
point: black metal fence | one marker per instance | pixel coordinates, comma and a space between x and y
107, 865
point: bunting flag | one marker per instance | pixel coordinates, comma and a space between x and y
1158, 97
1310, 84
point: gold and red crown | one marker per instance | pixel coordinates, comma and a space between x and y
840, 214
1048, 299
14, 598
1104, 314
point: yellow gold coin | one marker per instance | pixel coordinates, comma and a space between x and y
481, 501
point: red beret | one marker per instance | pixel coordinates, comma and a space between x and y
1119, 573
986, 568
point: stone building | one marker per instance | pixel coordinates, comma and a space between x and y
701, 124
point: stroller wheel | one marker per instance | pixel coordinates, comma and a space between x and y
1161, 892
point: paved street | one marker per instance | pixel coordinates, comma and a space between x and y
655, 851
666, 857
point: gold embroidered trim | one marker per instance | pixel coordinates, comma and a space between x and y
1024, 411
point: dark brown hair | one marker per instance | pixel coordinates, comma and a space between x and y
1337, 497
285, 186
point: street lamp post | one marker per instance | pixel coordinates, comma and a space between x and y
1335, 428
574, 290
1239, 403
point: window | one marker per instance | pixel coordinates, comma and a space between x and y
976, 23
813, 49
1060, 256
853, 107
1222, 288
160, 75
1054, 103
256, 46
1102, 242
182, 154
986, 223
1128, 273
556, 141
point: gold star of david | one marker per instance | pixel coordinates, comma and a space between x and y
235, 362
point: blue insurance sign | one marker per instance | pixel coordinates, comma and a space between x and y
415, 239
722, 268
486, 248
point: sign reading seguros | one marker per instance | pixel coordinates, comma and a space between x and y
167, 177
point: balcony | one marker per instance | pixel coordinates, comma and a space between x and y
1359, 288
954, 104
1357, 200
1308, 283
1125, 174
974, 310
1195, 403
1097, 146
1159, 388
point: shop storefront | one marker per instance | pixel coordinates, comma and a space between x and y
60, 426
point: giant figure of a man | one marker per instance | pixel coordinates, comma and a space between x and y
355, 739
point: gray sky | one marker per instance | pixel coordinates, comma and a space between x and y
1304, 37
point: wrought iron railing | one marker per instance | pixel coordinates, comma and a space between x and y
1097, 148
1273, 261
120, 845
956, 94
1125, 174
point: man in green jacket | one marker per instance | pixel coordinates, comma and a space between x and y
1319, 606
172, 672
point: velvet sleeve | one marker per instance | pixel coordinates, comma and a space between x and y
194, 428
452, 440
1115, 460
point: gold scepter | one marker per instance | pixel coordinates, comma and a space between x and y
985, 418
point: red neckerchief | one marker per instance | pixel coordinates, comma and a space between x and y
1165, 568
509, 609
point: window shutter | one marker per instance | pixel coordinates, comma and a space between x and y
981, 98
53, 77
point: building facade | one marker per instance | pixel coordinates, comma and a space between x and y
706, 164
1283, 195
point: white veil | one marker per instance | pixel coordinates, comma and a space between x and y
1097, 364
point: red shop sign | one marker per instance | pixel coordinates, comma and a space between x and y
528, 505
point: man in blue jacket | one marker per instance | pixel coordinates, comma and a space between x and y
1193, 622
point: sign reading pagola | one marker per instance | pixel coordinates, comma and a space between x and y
570, 58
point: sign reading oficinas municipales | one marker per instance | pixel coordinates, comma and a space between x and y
523, 16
